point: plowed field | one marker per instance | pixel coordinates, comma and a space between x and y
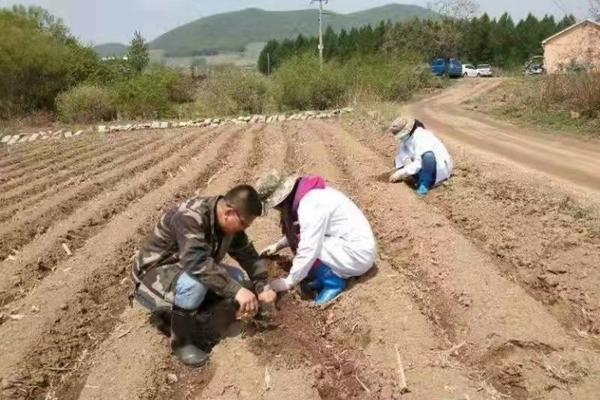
486, 289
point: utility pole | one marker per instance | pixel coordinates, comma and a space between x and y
268, 64
320, 28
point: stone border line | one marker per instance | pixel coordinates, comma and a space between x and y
20, 138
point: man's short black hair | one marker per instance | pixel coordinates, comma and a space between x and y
244, 199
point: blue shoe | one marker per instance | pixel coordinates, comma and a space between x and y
328, 294
315, 285
422, 191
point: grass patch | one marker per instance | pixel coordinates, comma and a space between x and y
567, 103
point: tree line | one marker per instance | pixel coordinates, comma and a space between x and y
499, 41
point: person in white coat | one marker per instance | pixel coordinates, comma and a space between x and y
330, 237
422, 157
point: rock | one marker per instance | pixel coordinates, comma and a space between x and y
64, 306
155, 125
317, 371
172, 378
35, 309
58, 132
550, 280
68, 134
79, 132
347, 368
102, 129
24, 139
6, 138
575, 115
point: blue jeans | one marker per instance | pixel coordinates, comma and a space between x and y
427, 175
190, 293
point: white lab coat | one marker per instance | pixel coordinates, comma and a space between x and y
422, 141
335, 231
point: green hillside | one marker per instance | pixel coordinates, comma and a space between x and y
232, 31
111, 49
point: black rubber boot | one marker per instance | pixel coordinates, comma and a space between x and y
182, 339
160, 318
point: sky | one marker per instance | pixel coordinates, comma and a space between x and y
101, 21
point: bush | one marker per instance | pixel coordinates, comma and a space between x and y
38, 60
300, 83
387, 78
86, 104
231, 90
578, 92
147, 95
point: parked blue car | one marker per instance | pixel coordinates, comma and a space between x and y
450, 67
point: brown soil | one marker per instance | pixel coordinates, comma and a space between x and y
486, 289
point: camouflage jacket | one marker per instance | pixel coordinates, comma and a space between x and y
188, 238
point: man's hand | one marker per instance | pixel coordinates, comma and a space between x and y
270, 250
248, 303
267, 296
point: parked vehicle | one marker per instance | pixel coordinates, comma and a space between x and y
450, 67
484, 70
535, 66
469, 70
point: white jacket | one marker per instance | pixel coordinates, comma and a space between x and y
334, 230
422, 141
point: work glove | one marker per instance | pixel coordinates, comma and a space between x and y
279, 285
398, 175
270, 250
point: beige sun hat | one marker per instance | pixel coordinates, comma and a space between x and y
273, 188
401, 127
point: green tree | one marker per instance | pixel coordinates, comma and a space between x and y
266, 59
138, 57
38, 59
503, 42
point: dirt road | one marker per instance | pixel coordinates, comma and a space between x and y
487, 289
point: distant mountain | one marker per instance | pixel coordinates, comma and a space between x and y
234, 30
111, 49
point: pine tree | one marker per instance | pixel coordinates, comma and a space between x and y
138, 57
265, 59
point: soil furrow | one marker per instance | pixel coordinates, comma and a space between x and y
89, 291
40, 257
145, 376
32, 189
542, 239
510, 337
378, 313
68, 156
24, 154
149, 353
21, 230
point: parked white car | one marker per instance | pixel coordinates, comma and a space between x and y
469, 70
484, 70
